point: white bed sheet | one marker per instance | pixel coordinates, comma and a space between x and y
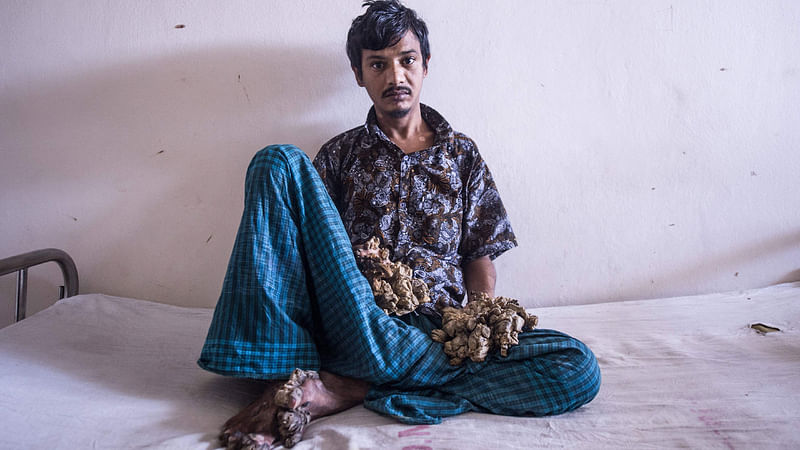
95, 371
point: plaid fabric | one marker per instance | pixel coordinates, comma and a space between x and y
547, 373
293, 297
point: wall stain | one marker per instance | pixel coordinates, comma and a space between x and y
209, 239
180, 26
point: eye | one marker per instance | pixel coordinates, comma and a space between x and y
409, 60
377, 65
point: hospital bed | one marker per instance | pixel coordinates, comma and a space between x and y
720, 370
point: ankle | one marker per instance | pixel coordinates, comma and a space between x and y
345, 389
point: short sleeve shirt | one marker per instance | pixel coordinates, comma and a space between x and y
436, 209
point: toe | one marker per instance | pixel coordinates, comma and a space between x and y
290, 395
291, 425
255, 441
233, 440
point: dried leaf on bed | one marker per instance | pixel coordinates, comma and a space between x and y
763, 329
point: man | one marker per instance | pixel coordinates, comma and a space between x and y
429, 196
293, 297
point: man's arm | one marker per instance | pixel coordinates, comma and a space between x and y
480, 276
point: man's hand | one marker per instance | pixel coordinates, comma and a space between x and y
480, 276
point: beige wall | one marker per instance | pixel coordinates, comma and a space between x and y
643, 148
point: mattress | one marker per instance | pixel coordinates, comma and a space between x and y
95, 371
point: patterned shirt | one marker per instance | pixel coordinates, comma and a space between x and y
436, 209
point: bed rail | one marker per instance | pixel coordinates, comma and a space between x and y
21, 264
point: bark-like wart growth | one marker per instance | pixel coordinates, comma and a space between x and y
292, 421
395, 289
485, 325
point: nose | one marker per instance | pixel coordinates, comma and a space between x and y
397, 74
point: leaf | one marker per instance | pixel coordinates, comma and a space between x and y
763, 329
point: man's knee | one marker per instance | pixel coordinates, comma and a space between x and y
582, 382
272, 154
273, 162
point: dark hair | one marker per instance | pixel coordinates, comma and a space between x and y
383, 24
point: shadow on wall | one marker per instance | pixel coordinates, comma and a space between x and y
175, 100
790, 277
43, 283
738, 259
137, 169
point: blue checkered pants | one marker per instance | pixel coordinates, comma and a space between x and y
294, 297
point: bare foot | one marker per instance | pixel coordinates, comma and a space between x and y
308, 395
255, 426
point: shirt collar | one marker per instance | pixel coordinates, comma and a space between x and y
443, 132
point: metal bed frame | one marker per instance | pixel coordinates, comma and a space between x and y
21, 264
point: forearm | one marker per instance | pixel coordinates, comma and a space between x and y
480, 276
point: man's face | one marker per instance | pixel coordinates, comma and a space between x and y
393, 76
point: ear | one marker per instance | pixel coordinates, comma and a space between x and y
427, 63
358, 78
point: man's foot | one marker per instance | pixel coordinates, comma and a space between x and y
285, 408
309, 395
255, 426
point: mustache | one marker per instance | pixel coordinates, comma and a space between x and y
396, 90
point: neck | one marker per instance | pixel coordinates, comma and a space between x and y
410, 132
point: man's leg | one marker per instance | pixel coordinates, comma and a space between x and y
293, 298
293, 295
548, 373
261, 323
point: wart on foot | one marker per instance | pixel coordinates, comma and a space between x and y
282, 413
293, 414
